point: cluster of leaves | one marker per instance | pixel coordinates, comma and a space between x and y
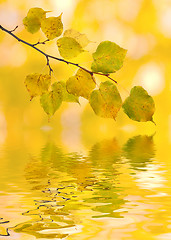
105, 100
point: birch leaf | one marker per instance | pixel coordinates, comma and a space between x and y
108, 57
36, 13
37, 84
81, 84
106, 101
139, 106
32, 21
79, 37
52, 27
66, 96
68, 47
52, 100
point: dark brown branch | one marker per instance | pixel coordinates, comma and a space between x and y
48, 64
50, 56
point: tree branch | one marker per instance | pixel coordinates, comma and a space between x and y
47, 56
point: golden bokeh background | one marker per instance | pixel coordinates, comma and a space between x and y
143, 27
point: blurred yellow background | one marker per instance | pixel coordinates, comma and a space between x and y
142, 26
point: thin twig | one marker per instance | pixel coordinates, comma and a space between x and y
48, 64
50, 56
14, 29
47, 40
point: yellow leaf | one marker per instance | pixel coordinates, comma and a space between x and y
32, 21
52, 100
108, 57
37, 84
106, 101
52, 27
68, 47
37, 13
81, 84
79, 37
139, 106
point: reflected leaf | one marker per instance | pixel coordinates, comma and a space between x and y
140, 151
105, 153
105, 157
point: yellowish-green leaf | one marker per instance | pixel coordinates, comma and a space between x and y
68, 47
81, 84
32, 25
66, 96
32, 21
37, 84
106, 102
36, 13
139, 106
108, 57
52, 100
79, 37
52, 27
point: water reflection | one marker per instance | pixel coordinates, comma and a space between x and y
139, 151
73, 187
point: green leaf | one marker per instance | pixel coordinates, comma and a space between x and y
68, 47
139, 106
52, 100
52, 27
32, 21
108, 57
79, 37
81, 84
37, 84
66, 96
106, 102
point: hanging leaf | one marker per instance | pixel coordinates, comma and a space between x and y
79, 37
66, 96
37, 13
68, 47
106, 101
139, 106
52, 27
52, 100
37, 84
32, 21
32, 25
108, 57
81, 84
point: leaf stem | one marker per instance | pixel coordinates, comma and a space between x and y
47, 56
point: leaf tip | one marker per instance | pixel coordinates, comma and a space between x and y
153, 122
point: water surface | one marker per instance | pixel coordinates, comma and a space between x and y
113, 191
